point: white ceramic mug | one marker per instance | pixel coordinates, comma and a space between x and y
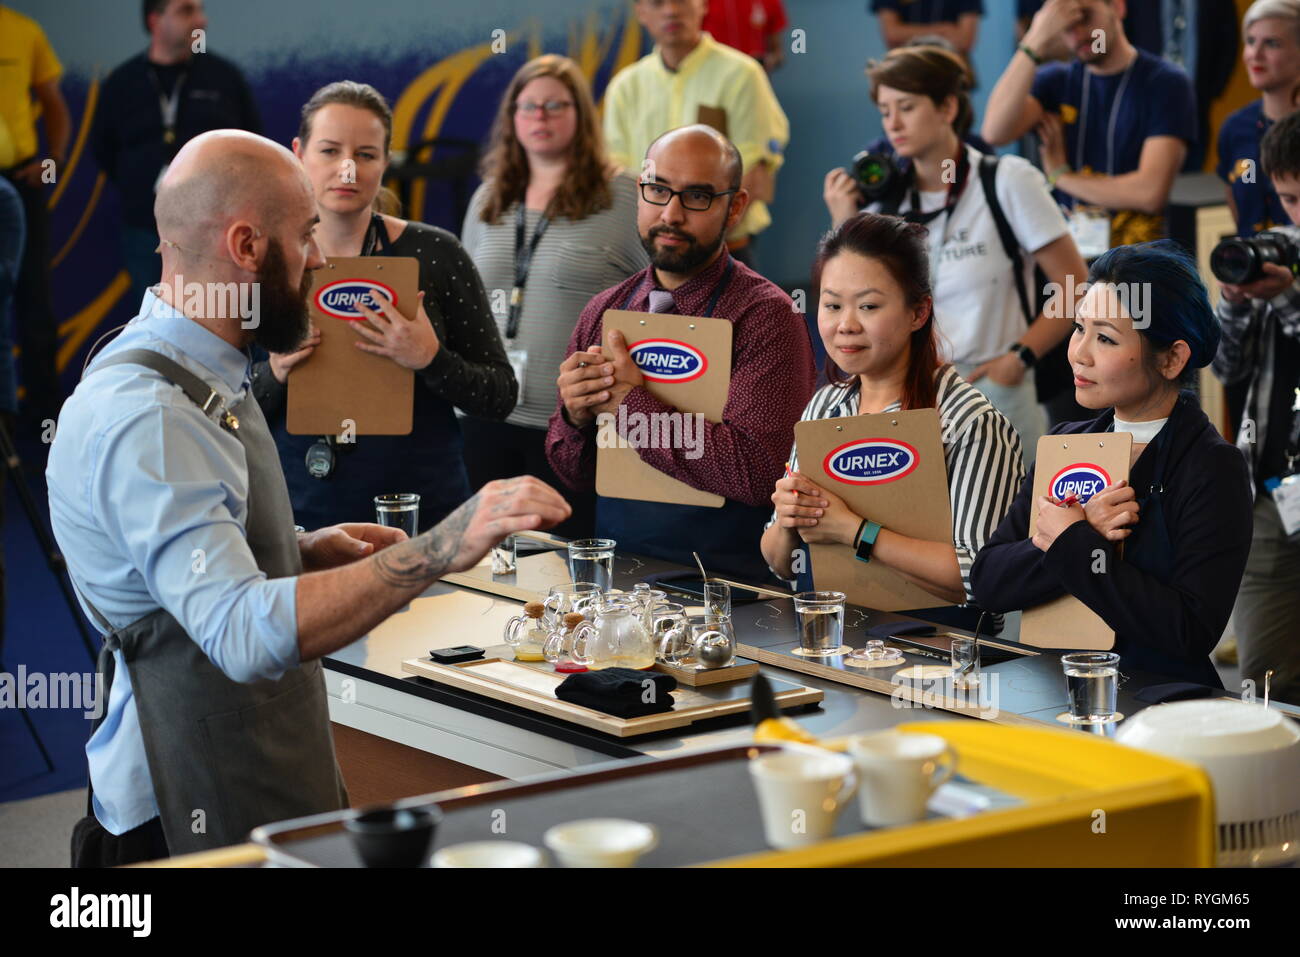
801, 793
899, 772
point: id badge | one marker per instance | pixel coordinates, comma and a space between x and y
1287, 496
519, 362
1090, 227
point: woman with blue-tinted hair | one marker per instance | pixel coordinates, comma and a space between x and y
1184, 516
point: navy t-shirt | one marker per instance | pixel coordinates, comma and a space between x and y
1258, 207
1151, 98
929, 11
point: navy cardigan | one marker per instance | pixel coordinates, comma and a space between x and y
1169, 596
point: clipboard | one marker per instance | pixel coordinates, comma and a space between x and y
888, 467
1082, 465
686, 361
714, 116
338, 383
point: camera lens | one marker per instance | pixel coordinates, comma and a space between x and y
1234, 261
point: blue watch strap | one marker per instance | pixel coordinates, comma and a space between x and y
867, 540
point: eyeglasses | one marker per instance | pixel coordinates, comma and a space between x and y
528, 108
697, 200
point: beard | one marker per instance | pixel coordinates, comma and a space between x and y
284, 320
691, 257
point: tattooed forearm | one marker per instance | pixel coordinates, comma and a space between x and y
428, 556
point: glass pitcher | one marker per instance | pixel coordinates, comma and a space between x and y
569, 597
615, 637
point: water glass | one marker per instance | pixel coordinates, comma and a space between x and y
821, 621
592, 560
399, 510
717, 599
668, 630
505, 560
965, 656
1092, 681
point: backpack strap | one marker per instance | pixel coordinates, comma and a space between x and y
1010, 245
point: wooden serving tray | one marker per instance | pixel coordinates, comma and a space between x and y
532, 685
703, 677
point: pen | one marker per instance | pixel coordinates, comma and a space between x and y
1068, 501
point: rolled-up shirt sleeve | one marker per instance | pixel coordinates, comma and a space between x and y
174, 522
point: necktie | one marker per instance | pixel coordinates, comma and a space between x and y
661, 301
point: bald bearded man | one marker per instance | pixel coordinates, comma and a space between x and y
167, 498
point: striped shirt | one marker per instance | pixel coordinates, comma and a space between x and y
575, 259
981, 449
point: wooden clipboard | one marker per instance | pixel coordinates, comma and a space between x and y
888, 467
338, 383
1073, 463
702, 347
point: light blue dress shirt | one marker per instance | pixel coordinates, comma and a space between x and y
148, 499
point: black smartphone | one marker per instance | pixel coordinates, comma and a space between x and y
449, 656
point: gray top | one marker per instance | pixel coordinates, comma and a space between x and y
574, 260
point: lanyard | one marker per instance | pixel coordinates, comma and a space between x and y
169, 106
376, 235
718, 290
955, 189
1082, 132
523, 262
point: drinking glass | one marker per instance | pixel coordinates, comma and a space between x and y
505, 560
717, 599
965, 657
821, 621
399, 510
1091, 679
592, 560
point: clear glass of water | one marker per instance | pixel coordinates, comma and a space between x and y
505, 560
399, 510
1092, 681
717, 599
592, 560
821, 621
965, 656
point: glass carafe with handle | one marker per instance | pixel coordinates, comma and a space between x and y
527, 633
615, 637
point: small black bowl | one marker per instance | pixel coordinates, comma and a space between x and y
393, 837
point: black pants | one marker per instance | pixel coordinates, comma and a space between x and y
93, 846
38, 335
496, 450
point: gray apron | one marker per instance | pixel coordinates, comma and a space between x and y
226, 757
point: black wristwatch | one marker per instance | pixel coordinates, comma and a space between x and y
1026, 354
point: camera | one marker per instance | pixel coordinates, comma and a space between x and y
1239, 261
876, 174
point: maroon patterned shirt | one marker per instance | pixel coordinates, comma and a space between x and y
772, 379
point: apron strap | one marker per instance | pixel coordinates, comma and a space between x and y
208, 399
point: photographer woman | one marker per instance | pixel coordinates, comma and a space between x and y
991, 220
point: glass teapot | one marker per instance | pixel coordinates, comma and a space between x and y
615, 637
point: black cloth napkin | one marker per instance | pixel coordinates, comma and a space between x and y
619, 691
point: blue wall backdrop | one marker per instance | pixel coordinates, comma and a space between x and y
434, 61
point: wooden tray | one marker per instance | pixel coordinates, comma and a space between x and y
703, 677
532, 685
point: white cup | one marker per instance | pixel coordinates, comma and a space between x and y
899, 772
801, 793
601, 842
489, 854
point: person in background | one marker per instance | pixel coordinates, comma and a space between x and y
1056, 48
1271, 53
694, 197
1261, 351
691, 78
452, 345
556, 220
1183, 515
957, 21
875, 315
29, 82
984, 299
755, 27
152, 105
12, 238
1115, 124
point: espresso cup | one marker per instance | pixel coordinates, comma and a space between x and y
801, 793
899, 772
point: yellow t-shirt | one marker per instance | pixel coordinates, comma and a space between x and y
26, 60
646, 99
